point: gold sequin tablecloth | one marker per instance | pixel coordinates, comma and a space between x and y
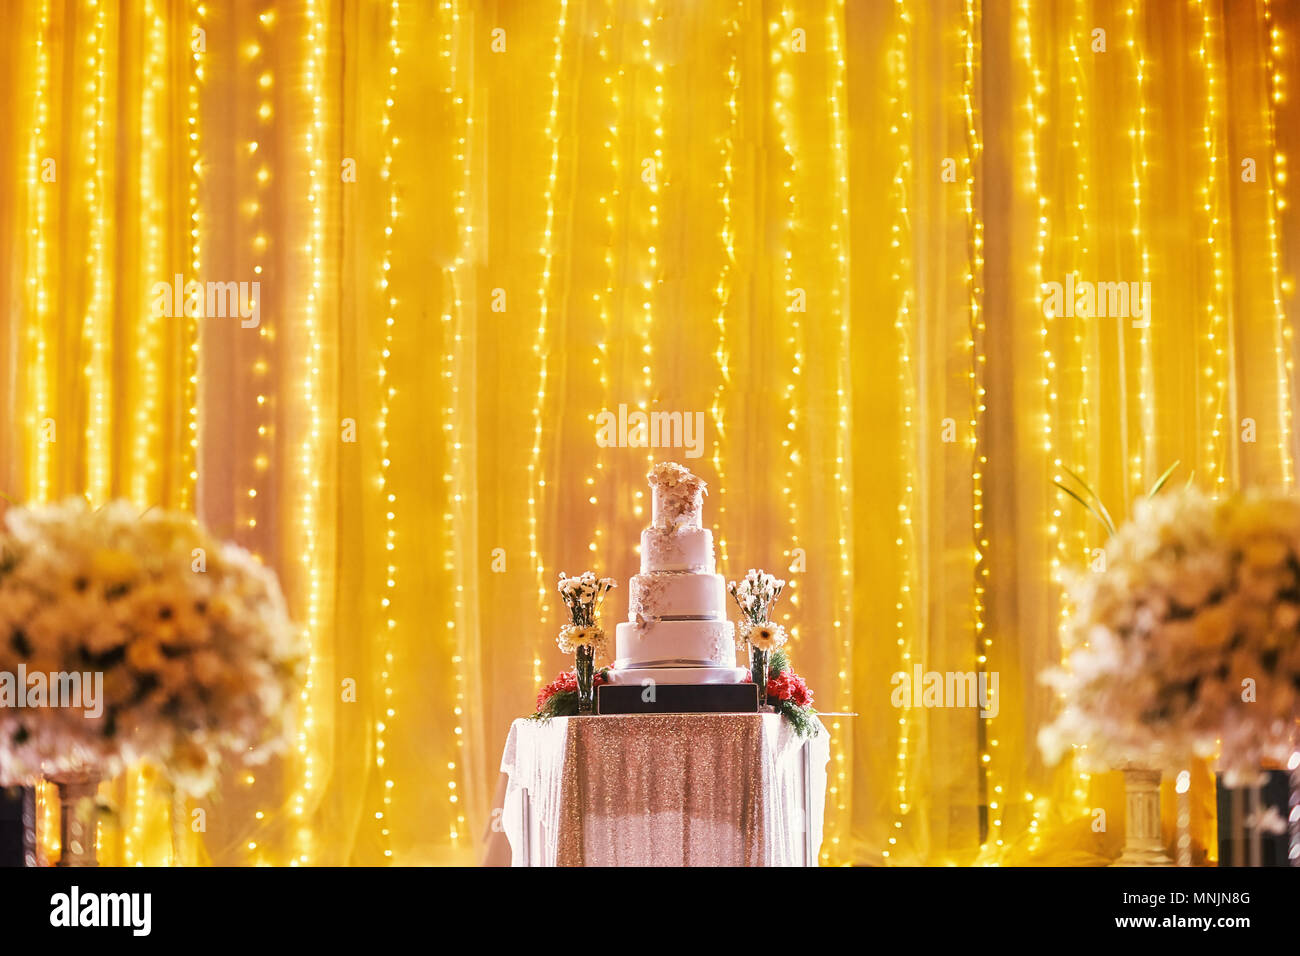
663, 790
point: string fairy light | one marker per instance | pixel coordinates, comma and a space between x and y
838, 789
94, 337
459, 356
976, 336
309, 452
723, 288
1216, 368
39, 479
144, 463
1033, 187
902, 278
536, 482
261, 351
1282, 336
651, 274
145, 428
782, 26
190, 321
1146, 461
605, 199
255, 210
387, 393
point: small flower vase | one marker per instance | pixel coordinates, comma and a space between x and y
1143, 845
585, 669
78, 822
758, 672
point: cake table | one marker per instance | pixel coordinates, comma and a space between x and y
662, 790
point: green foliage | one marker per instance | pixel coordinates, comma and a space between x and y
564, 703
1092, 501
802, 719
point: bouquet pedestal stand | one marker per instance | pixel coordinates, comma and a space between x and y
78, 819
1142, 843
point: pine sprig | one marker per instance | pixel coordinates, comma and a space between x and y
564, 703
802, 719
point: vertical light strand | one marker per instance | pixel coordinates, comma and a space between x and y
1033, 187
536, 481
976, 338
1215, 367
1145, 468
1073, 371
604, 299
387, 392
188, 489
1284, 364
309, 452
460, 356
39, 477
900, 242
261, 365
256, 214
95, 326
838, 791
781, 29
722, 289
145, 431
651, 262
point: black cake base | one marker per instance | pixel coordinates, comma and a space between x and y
677, 699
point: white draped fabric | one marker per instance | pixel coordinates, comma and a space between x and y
663, 790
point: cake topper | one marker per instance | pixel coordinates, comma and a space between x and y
678, 495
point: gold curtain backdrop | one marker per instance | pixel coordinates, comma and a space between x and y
820, 228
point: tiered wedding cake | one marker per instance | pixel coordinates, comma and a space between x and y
677, 630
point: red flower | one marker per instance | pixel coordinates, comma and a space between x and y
566, 681
788, 685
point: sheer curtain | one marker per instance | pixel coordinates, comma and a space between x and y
820, 229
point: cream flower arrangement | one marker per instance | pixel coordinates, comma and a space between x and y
1188, 642
583, 596
755, 594
765, 637
197, 654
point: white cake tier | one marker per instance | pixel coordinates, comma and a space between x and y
678, 675
684, 549
674, 644
674, 512
675, 595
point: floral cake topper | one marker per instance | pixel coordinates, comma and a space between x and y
678, 494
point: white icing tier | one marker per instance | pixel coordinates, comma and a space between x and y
674, 595
668, 511
679, 675
674, 644
684, 549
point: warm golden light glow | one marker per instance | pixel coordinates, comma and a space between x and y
476, 227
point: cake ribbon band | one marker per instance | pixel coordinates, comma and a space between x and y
682, 617
623, 665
